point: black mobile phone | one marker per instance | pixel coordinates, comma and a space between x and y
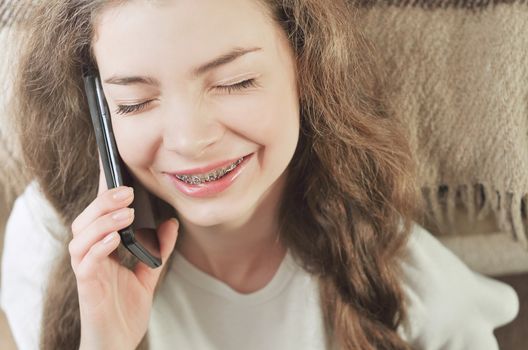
117, 175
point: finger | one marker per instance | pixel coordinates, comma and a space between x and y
105, 203
167, 234
102, 226
88, 268
102, 178
168, 240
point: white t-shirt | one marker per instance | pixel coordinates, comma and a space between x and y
449, 306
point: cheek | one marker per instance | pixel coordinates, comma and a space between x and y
266, 118
136, 140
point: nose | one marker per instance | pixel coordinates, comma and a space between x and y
189, 130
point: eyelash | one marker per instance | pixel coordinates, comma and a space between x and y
127, 109
238, 86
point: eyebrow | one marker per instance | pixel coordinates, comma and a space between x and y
221, 60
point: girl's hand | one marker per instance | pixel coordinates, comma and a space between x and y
114, 302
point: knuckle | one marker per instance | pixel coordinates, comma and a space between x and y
71, 247
75, 226
106, 202
99, 205
85, 270
107, 224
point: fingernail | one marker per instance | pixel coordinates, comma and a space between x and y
123, 214
109, 238
122, 193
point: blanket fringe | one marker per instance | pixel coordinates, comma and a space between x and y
509, 209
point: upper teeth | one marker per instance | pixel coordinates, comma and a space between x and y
210, 176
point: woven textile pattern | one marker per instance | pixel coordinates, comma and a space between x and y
457, 76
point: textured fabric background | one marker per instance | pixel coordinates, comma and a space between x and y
10, 11
458, 76
9, 156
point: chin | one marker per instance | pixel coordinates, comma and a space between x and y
212, 218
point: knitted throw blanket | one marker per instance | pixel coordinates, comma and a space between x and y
458, 77
11, 11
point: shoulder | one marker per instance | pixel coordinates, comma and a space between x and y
29, 253
449, 305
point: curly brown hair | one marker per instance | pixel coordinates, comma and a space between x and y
351, 187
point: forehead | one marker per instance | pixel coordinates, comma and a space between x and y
184, 31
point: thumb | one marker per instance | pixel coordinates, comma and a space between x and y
167, 234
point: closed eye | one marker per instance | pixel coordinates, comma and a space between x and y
238, 86
128, 109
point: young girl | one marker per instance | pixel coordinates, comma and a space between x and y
262, 127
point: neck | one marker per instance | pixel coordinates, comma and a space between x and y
245, 254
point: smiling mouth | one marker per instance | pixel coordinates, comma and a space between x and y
196, 179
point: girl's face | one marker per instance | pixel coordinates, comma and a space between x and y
193, 86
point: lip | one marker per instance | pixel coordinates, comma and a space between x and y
208, 189
206, 169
